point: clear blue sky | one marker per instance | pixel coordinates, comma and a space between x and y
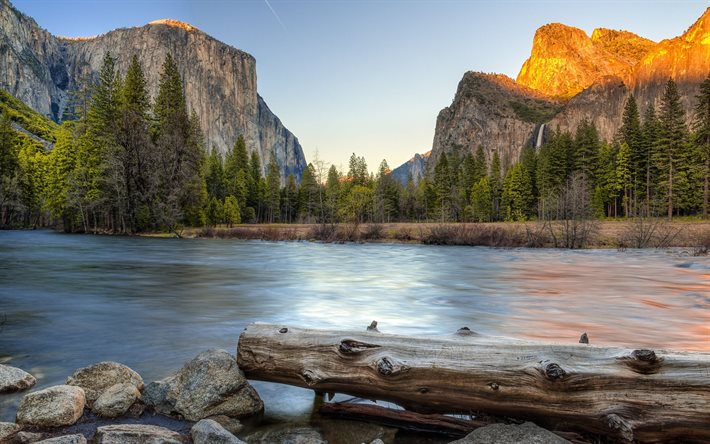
368, 76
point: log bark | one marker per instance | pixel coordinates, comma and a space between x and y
628, 394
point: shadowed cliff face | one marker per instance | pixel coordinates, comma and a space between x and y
220, 81
491, 111
414, 167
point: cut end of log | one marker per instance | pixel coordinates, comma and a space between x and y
584, 339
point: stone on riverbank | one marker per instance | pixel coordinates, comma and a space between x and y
115, 400
232, 425
67, 439
286, 434
211, 384
137, 434
209, 431
13, 379
57, 406
7, 429
96, 378
527, 433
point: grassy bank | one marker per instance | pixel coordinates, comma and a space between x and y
640, 233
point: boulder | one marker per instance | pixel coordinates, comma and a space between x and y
232, 425
28, 437
209, 431
137, 434
57, 406
527, 433
115, 400
7, 429
12, 379
96, 378
286, 434
209, 385
67, 439
354, 432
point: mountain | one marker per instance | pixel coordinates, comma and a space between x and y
414, 167
570, 77
220, 81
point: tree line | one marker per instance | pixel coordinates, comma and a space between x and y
126, 164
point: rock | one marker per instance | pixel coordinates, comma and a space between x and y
12, 379
57, 406
116, 400
208, 431
415, 167
67, 439
377, 441
8, 429
96, 378
221, 83
137, 434
285, 434
209, 385
28, 437
232, 425
527, 433
354, 432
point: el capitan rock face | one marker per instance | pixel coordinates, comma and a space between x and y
220, 81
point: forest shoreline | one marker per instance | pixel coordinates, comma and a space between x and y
640, 233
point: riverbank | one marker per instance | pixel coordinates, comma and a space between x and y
638, 233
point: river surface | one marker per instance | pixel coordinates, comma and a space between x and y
67, 301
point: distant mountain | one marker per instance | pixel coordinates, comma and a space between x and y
220, 81
569, 77
414, 167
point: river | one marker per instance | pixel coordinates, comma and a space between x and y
67, 301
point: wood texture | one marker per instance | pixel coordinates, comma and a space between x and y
644, 395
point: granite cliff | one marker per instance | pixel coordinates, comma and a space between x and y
414, 167
220, 81
569, 77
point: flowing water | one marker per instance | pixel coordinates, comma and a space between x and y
67, 301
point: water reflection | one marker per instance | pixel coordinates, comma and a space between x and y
155, 303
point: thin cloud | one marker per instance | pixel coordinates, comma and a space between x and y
275, 15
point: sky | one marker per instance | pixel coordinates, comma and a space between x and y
368, 76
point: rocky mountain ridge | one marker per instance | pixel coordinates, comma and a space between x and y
220, 81
570, 77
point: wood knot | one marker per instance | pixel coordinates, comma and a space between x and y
423, 390
283, 330
465, 331
494, 385
553, 371
385, 367
351, 346
643, 361
584, 339
620, 426
310, 377
644, 355
372, 326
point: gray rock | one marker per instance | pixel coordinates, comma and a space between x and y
208, 431
57, 406
8, 429
354, 432
137, 434
67, 439
96, 378
28, 438
209, 385
232, 425
41, 69
285, 434
527, 433
12, 379
377, 441
116, 400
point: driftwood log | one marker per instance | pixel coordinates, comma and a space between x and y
644, 395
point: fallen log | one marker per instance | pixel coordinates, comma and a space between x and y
626, 394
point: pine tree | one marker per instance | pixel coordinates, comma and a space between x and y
442, 186
624, 179
495, 181
231, 211
215, 178
253, 178
273, 189
672, 143
482, 203
701, 126
650, 131
517, 194
586, 149
631, 133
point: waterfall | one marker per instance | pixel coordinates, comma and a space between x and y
540, 132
